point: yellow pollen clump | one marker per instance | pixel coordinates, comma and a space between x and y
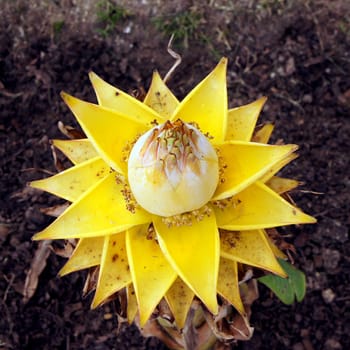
173, 169
187, 218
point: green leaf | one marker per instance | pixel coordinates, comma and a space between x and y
286, 289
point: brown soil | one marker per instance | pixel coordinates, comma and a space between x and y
295, 52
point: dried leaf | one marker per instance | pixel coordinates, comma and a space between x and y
70, 132
227, 327
164, 311
58, 164
249, 293
153, 329
56, 210
67, 249
37, 266
91, 280
24, 194
201, 336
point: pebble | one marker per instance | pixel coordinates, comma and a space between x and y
301, 239
318, 281
34, 216
332, 344
307, 98
332, 229
319, 314
298, 346
331, 258
328, 295
318, 261
4, 231
298, 318
290, 66
318, 335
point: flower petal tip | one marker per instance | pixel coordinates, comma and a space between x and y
70, 100
281, 273
292, 147
303, 218
262, 100
310, 219
66, 97
94, 77
40, 236
95, 303
223, 61
31, 184
92, 74
37, 184
62, 272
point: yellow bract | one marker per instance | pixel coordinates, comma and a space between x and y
114, 268
247, 162
228, 283
73, 182
179, 297
160, 98
151, 272
77, 151
193, 254
242, 120
206, 104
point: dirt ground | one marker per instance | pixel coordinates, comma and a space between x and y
295, 52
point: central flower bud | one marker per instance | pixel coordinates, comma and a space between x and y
173, 169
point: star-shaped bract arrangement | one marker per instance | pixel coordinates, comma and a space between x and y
191, 254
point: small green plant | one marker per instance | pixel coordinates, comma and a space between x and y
344, 25
182, 25
109, 14
57, 28
273, 7
286, 289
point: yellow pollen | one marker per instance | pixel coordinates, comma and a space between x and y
186, 219
222, 166
130, 202
226, 203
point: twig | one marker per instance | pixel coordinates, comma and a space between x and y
8, 286
290, 100
45, 171
311, 192
175, 55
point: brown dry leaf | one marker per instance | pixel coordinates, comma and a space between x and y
56, 210
228, 331
67, 250
164, 311
229, 326
37, 266
278, 240
58, 164
70, 132
249, 293
240, 328
91, 280
153, 329
24, 194
122, 305
199, 334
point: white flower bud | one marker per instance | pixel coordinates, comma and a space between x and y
173, 169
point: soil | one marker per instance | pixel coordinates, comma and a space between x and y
294, 52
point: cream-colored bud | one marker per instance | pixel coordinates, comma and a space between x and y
173, 169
